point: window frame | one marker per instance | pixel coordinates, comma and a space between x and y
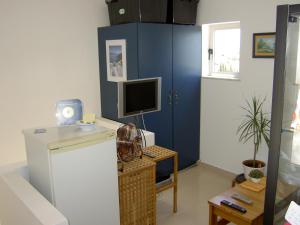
212, 28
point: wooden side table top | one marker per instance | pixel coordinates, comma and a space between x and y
160, 153
135, 165
254, 210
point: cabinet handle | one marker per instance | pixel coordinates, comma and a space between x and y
170, 98
176, 96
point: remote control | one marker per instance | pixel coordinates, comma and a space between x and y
149, 154
242, 198
233, 206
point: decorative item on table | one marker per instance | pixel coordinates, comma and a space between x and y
116, 60
68, 111
240, 178
256, 187
256, 127
264, 45
129, 142
88, 122
256, 175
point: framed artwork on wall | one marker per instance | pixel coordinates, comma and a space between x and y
116, 60
264, 45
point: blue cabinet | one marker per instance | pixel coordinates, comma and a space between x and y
172, 52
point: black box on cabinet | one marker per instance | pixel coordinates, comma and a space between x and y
182, 11
128, 11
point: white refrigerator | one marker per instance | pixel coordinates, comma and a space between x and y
76, 171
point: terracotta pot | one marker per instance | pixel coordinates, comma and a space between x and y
249, 166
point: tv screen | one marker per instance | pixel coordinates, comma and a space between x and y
139, 96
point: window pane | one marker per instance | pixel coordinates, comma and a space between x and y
226, 51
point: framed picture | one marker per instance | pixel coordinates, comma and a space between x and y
116, 60
264, 45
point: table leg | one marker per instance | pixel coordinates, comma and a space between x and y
258, 221
175, 183
213, 219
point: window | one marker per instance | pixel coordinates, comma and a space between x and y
221, 50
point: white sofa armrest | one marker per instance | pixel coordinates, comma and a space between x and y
21, 204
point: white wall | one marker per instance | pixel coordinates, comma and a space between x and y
221, 99
48, 52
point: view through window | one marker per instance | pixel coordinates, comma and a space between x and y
222, 46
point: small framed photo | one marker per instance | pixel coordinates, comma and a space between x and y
264, 45
116, 60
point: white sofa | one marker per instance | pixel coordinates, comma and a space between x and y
22, 204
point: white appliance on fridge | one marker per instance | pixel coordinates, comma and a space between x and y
76, 171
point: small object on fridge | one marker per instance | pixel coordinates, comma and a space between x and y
86, 126
89, 118
68, 111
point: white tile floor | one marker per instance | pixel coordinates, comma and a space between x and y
195, 186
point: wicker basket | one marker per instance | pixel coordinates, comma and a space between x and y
137, 193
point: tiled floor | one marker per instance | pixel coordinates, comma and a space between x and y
196, 185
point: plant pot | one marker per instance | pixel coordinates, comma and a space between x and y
255, 180
249, 165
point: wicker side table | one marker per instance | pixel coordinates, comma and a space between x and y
160, 154
137, 195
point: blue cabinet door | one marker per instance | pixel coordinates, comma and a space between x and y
186, 87
155, 60
109, 90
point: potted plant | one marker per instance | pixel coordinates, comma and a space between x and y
254, 127
256, 175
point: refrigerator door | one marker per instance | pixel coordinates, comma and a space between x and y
85, 182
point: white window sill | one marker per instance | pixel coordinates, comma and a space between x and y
220, 77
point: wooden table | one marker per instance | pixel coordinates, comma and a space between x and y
253, 216
163, 154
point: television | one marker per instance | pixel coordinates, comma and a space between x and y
136, 97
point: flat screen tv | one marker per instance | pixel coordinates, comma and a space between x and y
137, 97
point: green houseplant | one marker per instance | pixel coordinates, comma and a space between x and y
256, 175
255, 127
